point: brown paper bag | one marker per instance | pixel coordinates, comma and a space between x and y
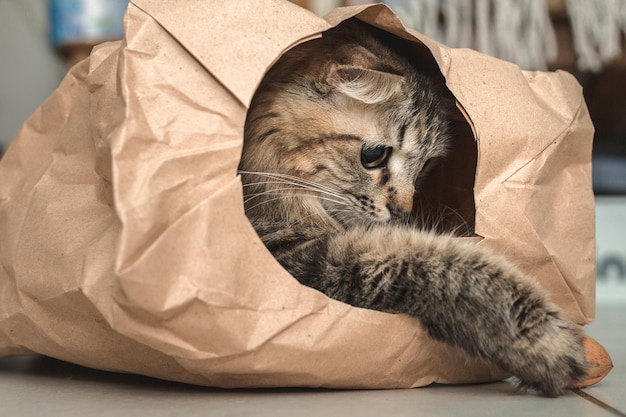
123, 241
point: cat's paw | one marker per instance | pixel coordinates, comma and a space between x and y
553, 357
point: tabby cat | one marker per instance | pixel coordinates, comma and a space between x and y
337, 139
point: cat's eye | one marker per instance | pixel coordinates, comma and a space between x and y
374, 157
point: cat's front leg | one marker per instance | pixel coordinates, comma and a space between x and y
462, 295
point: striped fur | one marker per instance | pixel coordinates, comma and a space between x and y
342, 228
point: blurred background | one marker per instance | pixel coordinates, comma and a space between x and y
41, 39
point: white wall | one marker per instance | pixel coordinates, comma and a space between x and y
29, 68
611, 243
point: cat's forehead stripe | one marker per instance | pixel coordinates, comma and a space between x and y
401, 134
340, 137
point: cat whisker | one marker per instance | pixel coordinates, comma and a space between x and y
263, 202
336, 198
286, 196
279, 191
445, 220
291, 179
329, 193
284, 181
332, 211
299, 186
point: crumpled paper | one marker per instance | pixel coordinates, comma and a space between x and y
123, 241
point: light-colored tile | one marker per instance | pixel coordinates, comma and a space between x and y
610, 330
89, 392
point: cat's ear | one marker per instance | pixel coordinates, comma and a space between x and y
363, 84
355, 73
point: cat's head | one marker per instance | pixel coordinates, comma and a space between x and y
342, 132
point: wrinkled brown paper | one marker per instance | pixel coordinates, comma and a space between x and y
123, 241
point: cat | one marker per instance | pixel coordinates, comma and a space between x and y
338, 137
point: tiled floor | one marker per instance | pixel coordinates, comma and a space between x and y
34, 386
